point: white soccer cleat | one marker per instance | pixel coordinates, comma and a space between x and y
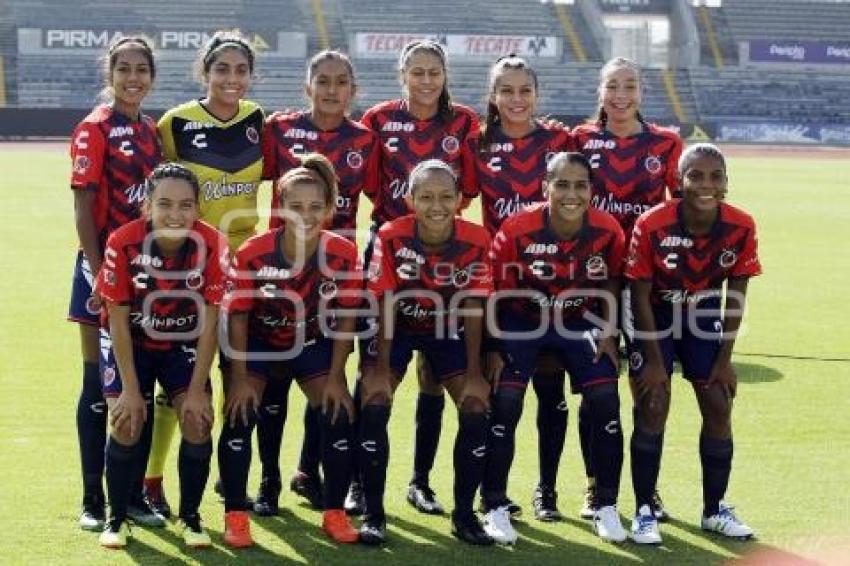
727, 523
497, 524
645, 527
606, 522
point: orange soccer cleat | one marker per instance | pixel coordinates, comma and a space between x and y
237, 529
338, 526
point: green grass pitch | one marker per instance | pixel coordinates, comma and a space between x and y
792, 455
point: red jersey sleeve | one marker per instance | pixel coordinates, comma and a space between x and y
748, 264
373, 171
672, 178
617, 252
269, 153
639, 262
381, 270
469, 176
352, 287
88, 149
502, 253
368, 120
215, 271
240, 295
113, 280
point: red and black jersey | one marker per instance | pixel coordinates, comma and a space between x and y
281, 300
164, 293
112, 155
352, 149
527, 254
509, 173
425, 284
406, 141
684, 268
630, 174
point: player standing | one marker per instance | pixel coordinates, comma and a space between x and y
634, 168
566, 260
424, 124
289, 282
430, 274
218, 138
509, 157
353, 151
681, 254
112, 150
162, 279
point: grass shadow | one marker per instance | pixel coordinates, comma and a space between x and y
756, 373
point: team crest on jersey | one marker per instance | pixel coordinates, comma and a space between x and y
460, 278
194, 280
328, 289
81, 164
595, 266
252, 135
727, 258
91, 306
108, 376
450, 144
635, 360
652, 164
354, 159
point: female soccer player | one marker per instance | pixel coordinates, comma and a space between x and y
354, 152
218, 138
288, 284
429, 272
680, 255
556, 268
113, 150
162, 279
509, 157
424, 124
634, 166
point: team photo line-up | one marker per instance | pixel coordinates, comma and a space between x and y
609, 235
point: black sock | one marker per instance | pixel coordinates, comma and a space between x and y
551, 425
336, 456
121, 462
585, 433
603, 404
270, 421
646, 462
234, 462
469, 458
356, 396
716, 457
506, 409
429, 422
144, 447
91, 431
374, 456
193, 465
311, 447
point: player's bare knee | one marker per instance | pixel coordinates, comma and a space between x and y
472, 404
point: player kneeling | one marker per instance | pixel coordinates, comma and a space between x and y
287, 280
680, 255
430, 272
556, 270
162, 280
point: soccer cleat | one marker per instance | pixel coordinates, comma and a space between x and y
513, 508
373, 531
141, 513
545, 503
237, 529
194, 534
155, 495
93, 515
266, 502
726, 523
606, 523
468, 528
115, 533
645, 527
337, 525
588, 508
355, 500
658, 507
423, 498
308, 487
497, 525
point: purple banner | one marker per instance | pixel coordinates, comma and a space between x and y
768, 51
